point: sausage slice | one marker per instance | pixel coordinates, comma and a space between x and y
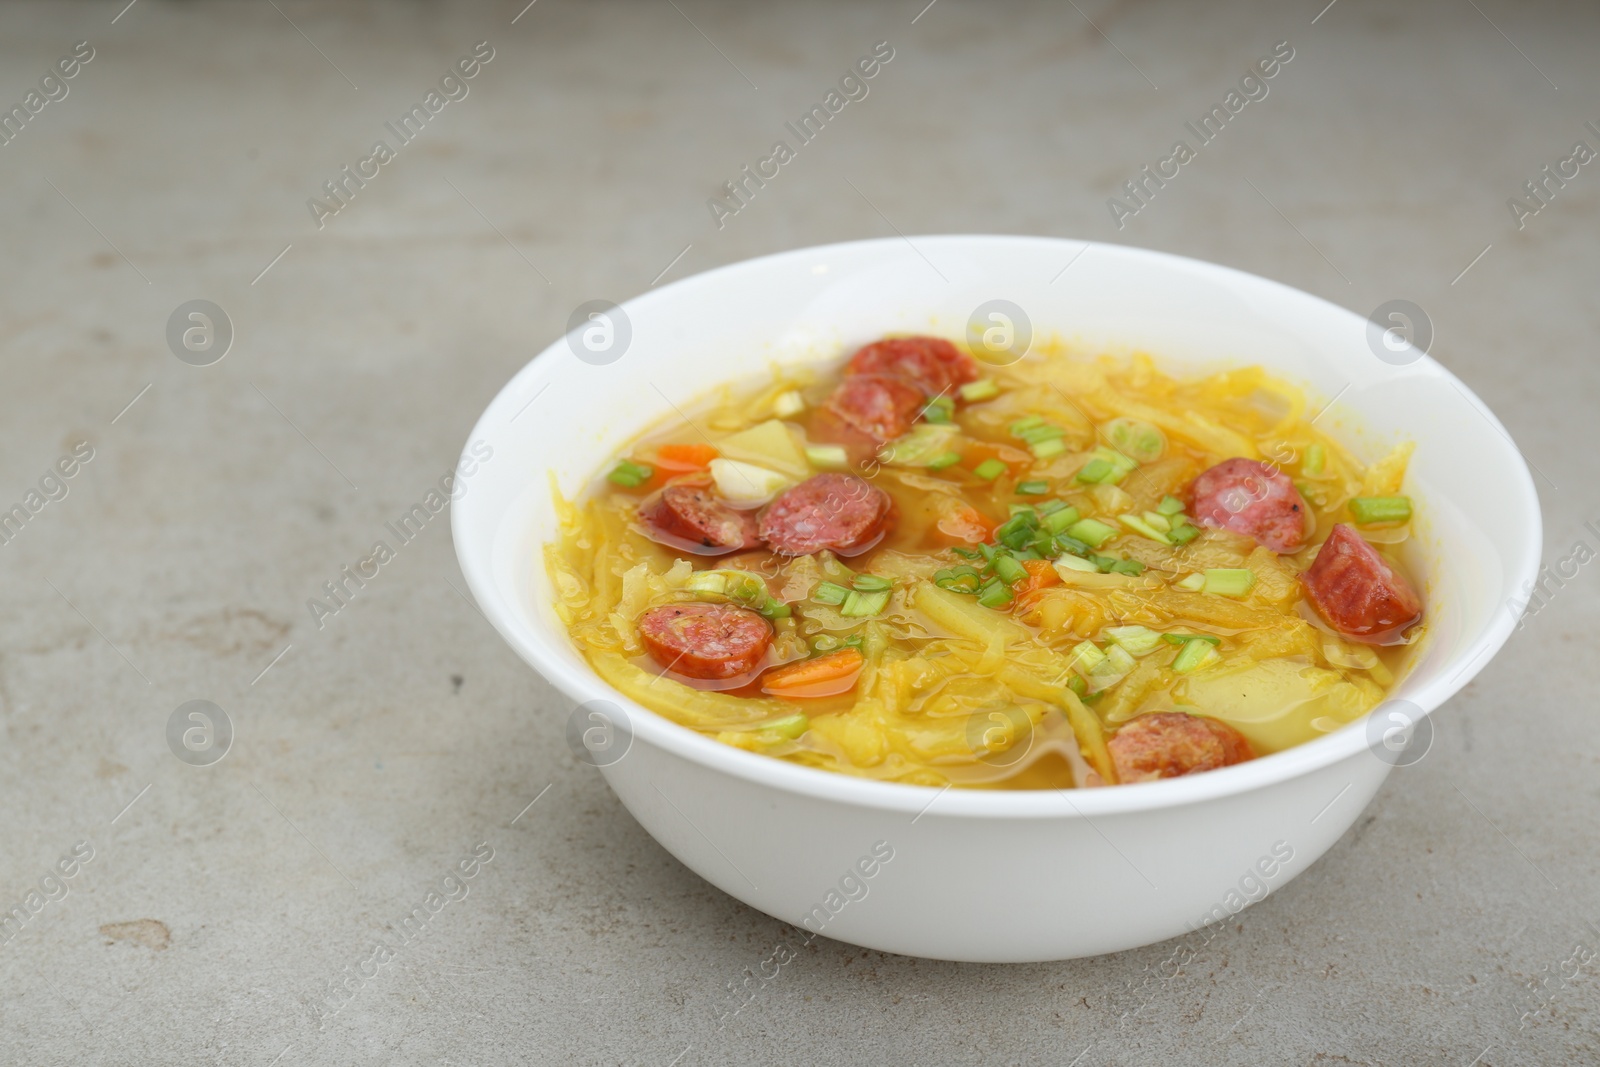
695, 519
1357, 592
931, 363
705, 640
1170, 744
878, 406
1251, 498
835, 511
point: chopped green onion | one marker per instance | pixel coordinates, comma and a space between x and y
775, 609
1094, 472
742, 586
959, 579
1050, 507
1044, 432
1158, 521
1103, 564
1058, 520
1026, 553
996, 594
1027, 422
1079, 686
1046, 449
858, 605
1169, 506
1120, 466
1183, 639
1183, 534
1143, 529
1015, 532
1229, 581
1138, 440
982, 389
1033, 488
751, 588
1076, 563
825, 643
1194, 583
853, 641
1116, 458
1316, 456
1086, 656
630, 474
1196, 655
871, 583
1091, 532
1018, 530
829, 593
827, 457
967, 553
947, 459
1019, 509
1093, 698
790, 726
1127, 566
939, 409
788, 403
1137, 640
707, 582
989, 469
1067, 543
1373, 509
1009, 570
1019, 538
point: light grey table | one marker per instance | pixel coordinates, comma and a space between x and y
375, 748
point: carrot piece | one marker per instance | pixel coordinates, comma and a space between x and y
690, 457
824, 676
1041, 575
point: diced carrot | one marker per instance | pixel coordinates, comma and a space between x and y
690, 457
1041, 575
824, 676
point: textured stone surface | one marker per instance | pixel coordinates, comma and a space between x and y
383, 747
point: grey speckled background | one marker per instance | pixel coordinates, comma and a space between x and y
383, 747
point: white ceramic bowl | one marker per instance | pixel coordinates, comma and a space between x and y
979, 875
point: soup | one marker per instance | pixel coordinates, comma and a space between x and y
1060, 573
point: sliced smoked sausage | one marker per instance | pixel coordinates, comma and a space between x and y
834, 511
695, 519
1357, 592
1254, 499
705, 640
931, 363
878, 406
1170, 744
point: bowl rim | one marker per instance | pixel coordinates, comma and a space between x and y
649, 727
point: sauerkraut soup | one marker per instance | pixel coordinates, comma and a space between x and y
1065, 572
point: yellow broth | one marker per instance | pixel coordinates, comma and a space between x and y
953, 692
